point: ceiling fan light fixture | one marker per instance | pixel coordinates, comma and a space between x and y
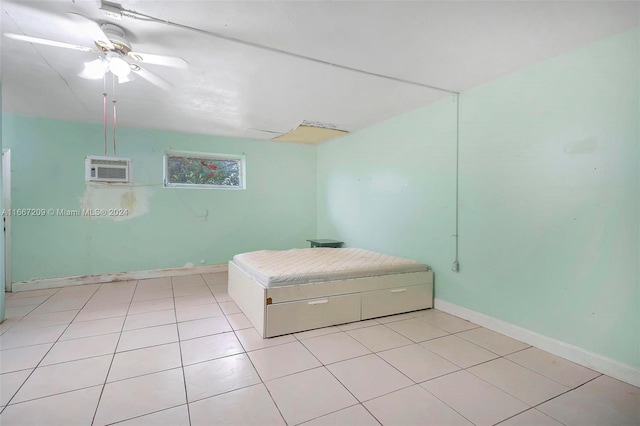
119, 67
124, 78
95, 69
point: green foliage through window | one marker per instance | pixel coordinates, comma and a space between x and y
183, 170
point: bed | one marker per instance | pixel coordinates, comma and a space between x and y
288, 291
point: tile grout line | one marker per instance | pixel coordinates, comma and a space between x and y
49, 350
246, 353
113, 356
184, 376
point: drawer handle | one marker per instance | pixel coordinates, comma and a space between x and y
398, 290
318, 302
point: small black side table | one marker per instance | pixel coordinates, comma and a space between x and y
326, 243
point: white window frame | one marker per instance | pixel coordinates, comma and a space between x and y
204, 156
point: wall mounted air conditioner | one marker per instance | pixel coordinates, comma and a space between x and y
107, 169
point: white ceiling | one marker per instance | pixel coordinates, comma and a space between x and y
237, 89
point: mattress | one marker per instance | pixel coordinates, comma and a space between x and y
302, 266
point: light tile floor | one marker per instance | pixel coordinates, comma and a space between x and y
178, 351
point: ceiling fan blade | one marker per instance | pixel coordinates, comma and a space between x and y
91, 29
47, 42
153, 79
169, 61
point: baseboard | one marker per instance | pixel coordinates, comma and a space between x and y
117, 276
602, 364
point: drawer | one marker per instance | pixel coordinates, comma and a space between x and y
290, 317
396, 300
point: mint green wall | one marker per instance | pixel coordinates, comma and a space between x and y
2, 280
277, 210
549, 196
391, 187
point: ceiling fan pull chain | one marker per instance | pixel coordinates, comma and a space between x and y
114, 115
104, 112
104, 95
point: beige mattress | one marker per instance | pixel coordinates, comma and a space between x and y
302, 266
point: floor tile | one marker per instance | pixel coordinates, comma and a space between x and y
65, 377
459, 351
71, 350
154, 283
468, 395
518, 381
130, 398
47, 320
7, 324
356, 415
146, 337
490, 340
210, 347
78, 290
449, 323
78, 330
220, 375
250, 406
216, 278
188, 281
251, 340
309, 394
71, 408
416, 330
358, 324
219, 288
531, 417
60, 303
149, 319
194, 300
553, 367
111, 294
414, 406
315, 332
151, 294
177, 416
394, 318
22, 358
18, 312
602, 401
189, 313
144, 361
239, 321
203, 327
222, 296
335, 347
229, 307
34, 293
379, 338
25, 301
102, 312
17, 338
10, 383
151, 306
282, 360
417, 363
368, 377
193, 291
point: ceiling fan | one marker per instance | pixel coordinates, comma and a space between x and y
115, 54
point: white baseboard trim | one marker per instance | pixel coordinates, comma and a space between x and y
116, 276
594, 361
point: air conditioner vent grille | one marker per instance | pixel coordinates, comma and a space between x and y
110, 162
107, 169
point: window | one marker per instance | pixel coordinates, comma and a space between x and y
194, 170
